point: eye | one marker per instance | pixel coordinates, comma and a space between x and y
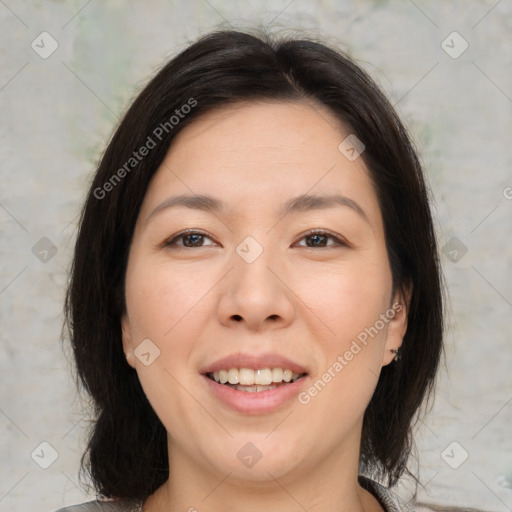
314, 239
318, 238
190, 238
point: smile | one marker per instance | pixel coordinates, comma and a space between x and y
266, 390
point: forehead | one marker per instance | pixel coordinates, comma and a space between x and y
256, 154
283, 130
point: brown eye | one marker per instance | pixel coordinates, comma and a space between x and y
320, 239
190, 239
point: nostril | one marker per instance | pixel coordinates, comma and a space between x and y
237, 318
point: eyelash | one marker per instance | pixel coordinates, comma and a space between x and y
338, 240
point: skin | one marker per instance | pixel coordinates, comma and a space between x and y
203, 302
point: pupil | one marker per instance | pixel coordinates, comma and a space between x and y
194, 238
316, 238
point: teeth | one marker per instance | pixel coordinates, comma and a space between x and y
233, 376
277, 374
249, 378
263, 377
253, 389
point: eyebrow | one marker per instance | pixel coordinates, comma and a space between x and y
302, 203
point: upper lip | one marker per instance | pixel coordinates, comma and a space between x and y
244, 360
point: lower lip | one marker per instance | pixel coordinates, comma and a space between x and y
259, 402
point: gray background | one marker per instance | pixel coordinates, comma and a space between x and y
58, 112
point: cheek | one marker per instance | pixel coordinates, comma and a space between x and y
351, 305
350, 300
347, 298
164, 305
160, 298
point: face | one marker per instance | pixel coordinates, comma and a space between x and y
270, 279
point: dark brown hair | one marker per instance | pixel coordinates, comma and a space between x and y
126, 456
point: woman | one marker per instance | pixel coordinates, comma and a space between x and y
255, 303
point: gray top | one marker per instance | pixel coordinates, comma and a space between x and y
389, 501
105, 506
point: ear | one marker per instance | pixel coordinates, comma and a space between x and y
127, 340
397, 326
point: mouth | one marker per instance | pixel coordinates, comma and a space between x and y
251, 392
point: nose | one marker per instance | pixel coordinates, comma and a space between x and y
255, 293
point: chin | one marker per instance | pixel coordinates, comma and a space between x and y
256, 459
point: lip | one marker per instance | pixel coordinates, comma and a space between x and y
260, 402
241, 360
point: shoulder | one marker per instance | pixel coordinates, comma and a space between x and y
386, 497
104, 506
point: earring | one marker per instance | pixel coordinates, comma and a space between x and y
397, 353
